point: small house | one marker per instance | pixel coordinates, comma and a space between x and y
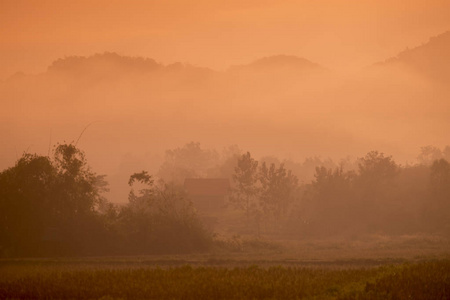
209, 195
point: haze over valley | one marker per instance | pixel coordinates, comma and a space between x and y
126, 111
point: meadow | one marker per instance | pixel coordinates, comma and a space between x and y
247, 271
82, 280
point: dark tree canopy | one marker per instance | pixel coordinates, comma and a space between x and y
40, 195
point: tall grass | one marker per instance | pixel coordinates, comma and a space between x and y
426, 280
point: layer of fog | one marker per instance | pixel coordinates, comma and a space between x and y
285, 106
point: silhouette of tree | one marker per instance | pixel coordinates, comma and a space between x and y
25, 203
377, 168
159, 219
438, 207
190, 161
429, 154
329, 199
278, 187
77, 185
39, 193
246, 189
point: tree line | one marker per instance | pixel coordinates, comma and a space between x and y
56, 205
379, 196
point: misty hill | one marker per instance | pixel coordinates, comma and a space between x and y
112, 78
279, 76
279, 62
110, 65
282, 105
430, 60
107, 60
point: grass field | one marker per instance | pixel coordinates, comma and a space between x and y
122, 280
411, 268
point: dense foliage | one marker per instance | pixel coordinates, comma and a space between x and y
264, 193
375, 195
49, 206
379, 196
158, 219
54, 206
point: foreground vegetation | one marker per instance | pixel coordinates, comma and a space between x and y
128, 280
54, 206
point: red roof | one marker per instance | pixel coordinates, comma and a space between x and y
207, 186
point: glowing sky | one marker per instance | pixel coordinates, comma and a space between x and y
341, 34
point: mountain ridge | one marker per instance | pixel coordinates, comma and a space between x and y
431, 59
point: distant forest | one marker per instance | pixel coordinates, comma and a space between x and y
56, 206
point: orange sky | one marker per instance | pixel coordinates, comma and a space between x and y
337, 34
